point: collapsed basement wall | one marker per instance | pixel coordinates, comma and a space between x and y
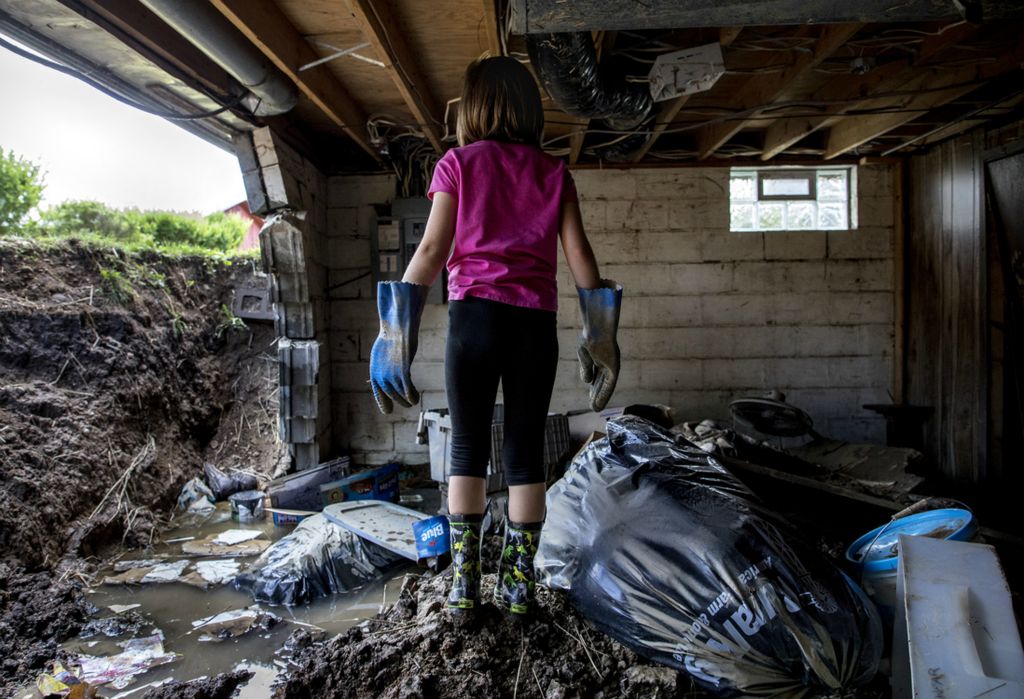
708, 315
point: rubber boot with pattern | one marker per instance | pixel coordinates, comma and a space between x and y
465, 539
514, 590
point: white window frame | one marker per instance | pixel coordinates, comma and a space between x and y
814, 196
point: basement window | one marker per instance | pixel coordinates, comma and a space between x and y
791, 199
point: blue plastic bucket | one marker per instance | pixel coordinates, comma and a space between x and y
431, 537
878, 565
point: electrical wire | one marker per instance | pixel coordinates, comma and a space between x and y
172, 116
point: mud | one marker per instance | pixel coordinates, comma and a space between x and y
416, 649
220, 687
119, 376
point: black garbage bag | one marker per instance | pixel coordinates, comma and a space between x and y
224, 484
662, 549
319, 558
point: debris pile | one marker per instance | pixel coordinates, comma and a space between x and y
416, 649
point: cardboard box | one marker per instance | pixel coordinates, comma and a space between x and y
301, 491
378, 484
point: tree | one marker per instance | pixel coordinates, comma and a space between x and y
21, 186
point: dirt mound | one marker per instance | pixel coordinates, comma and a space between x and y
120, 374
416, 649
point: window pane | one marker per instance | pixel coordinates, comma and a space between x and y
770, 216
741, 217
778, 187
832, 186
832, 216
741, 188
800, 215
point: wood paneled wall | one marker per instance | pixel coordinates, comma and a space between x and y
946, 350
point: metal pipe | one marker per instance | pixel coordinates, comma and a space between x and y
209, 31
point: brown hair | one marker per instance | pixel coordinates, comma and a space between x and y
500, 102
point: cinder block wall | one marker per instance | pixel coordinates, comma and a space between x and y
708, 315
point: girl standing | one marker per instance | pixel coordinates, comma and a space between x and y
506, 205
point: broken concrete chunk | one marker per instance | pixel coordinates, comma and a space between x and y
209, 573
162, 573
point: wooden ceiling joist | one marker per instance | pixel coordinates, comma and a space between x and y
267, 27
765, 89
382, 31
783, 133
938, 88
669, 111
491, 27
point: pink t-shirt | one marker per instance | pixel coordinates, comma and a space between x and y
506, 230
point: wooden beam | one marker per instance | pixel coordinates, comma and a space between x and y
382, 30
263, 23
943, 86
542, 16
669, 111
784, 132
763, 90
491, 28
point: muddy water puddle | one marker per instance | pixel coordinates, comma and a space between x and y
172, 608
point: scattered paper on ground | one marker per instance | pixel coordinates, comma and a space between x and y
122, 566
139, 655
233, 624
209, 573
122, 608
163, 573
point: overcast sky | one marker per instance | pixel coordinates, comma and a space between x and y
93, 147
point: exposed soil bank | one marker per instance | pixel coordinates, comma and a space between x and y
416, 649
119, 376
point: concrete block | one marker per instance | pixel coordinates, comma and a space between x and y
355, 190
662, 312
405, 442
294, 320
875, 212
343, 221
875, 340
726, 246
734, 309
304, 456
859, 307
676, 343
299, 401
351, 377
345, 346
348, 252
779, 276
638, 215
282, 245
795, 245
297, 430
863, 372
289, 287
787, 373
605, 185
816, 341
593, 213
809, 308
859, 275
673, 374
431, 345
298, 361
699, 214
619, 247
667, 247
734, 374
875, 181
352, 283
862, 244
689, 183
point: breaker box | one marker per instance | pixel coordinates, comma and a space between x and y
394, 239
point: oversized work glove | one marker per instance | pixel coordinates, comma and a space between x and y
598, 350
400, 305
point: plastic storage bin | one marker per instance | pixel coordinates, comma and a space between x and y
439, 431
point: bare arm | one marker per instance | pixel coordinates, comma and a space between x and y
576, 248
433, 250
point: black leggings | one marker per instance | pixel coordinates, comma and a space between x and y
488, 341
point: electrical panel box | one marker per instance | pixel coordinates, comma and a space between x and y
394, 239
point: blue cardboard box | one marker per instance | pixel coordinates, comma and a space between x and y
378, 484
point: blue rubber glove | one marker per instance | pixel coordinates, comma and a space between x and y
400, 305
598, 349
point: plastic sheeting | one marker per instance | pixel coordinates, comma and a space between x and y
665, 551
319, 558
224, 484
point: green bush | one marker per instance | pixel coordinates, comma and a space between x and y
160, 230
21, 186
